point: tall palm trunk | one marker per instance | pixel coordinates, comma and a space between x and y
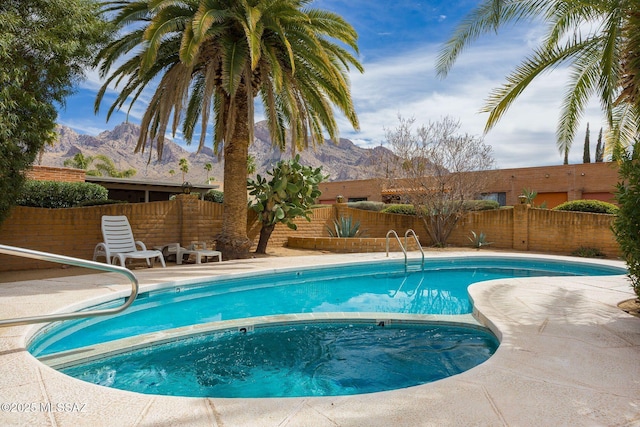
232, 240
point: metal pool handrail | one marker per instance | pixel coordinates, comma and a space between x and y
61, 259
406, 244
399, 242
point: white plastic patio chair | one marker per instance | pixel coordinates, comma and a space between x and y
201, 249
119, 243
178, 251
198, 249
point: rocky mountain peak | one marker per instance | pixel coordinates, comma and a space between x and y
341, 161
124, 130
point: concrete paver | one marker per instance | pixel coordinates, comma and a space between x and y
568, 356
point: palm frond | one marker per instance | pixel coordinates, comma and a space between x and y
487, 17
597, 38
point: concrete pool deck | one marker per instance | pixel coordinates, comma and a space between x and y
568, 356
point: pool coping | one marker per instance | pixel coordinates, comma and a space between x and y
568, 354
89, 353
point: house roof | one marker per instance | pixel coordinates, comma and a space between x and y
130, 184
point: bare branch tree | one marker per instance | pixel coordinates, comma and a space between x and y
438, 171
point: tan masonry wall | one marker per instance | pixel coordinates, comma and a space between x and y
75, 231
551, 231
376, 224
497, 225
519, 228
49, 173
321, 218
344, 244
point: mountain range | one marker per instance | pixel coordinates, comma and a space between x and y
342, 161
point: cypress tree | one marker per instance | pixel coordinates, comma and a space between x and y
600, 149
586, 156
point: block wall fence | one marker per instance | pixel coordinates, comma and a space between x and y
50, 173
75, 231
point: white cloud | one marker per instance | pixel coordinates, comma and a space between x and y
85, 127
92, 80
406, 85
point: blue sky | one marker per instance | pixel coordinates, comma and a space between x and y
399, 41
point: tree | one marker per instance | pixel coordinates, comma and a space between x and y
598, 39
106, 167
289, 194
626, 226
44, 47
208, 167
211, 59
79, 161
586, 154
184, 167
600, 148
433, 163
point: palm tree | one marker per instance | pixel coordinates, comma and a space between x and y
105, 167
184, 167
208, 167
108, 168
213, 58
604, 61
79, 161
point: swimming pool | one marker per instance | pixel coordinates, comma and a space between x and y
313, 359
387, 287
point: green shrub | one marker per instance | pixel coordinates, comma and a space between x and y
469, 205
626, 226
54, 194
587, 252
592, 206
367, 205
214, 196
400, 209
480, 205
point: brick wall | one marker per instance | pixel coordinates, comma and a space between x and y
74, 232
344, 244
48, 173
498, 225
520, 228
557, 231
376, 224
321, 217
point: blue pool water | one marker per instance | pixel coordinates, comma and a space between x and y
381, 287
293, 361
